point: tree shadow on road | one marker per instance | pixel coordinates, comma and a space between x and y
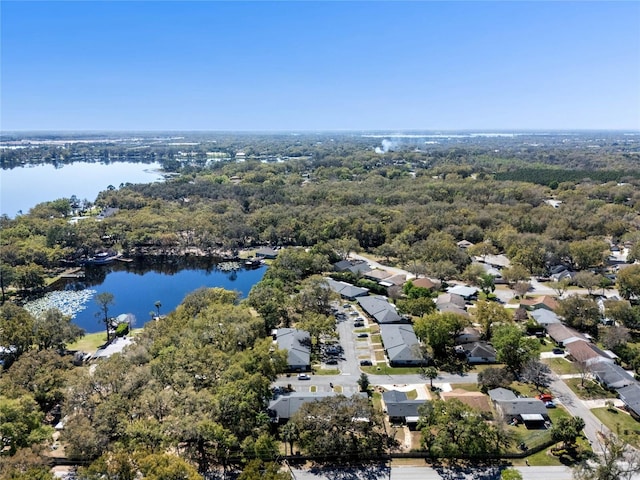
353, 472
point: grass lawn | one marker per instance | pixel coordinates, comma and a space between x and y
621, 423
379, 354
525, 389
383, 369
89, 343
591, 390
561, 366
468, 387
536, 436
326, 371
485, 366
412, 395
92, 341
376, 338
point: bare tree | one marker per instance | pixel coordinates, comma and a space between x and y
617, 461
613, 337
537, 373
521, 288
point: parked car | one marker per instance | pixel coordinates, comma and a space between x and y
549, 404
365, 363
331, 361
363, 335
558, 351
545, 397
358, 324
303, 376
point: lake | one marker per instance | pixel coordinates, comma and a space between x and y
25, 187
137, 286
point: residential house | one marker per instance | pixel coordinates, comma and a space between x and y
493, 271
501, 394
402, 346
394, 281
356, 267
346, 290
400, 409
267, 253
565, 274
498, 261
545, 317
610, 375
563, 335
424, 282
297, 343
586, 353
478, 352
283, 407
530, 411
466, 292
468, 335
451, 298
630, 395
379, 309
545, 301
377, 275
450, 302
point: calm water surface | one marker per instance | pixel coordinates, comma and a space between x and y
25, 187
137, 291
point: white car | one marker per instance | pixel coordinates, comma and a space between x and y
303, 376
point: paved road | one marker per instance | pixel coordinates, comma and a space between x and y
577, 408
382, 472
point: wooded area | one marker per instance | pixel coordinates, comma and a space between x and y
197, 382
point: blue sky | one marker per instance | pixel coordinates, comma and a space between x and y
277, 66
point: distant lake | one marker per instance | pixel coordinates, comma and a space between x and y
25, 187
137, 286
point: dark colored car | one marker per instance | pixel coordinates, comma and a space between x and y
365, 363
363, 335
558, 351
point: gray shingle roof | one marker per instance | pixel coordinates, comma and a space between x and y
400, 342
379, 308
500, 394
298, 345
346, 289
630, 395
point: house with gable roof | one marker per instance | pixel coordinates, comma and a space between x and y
546, 302
297, 343
630, 396
402, 346
379, 308
346, 290
400, 409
